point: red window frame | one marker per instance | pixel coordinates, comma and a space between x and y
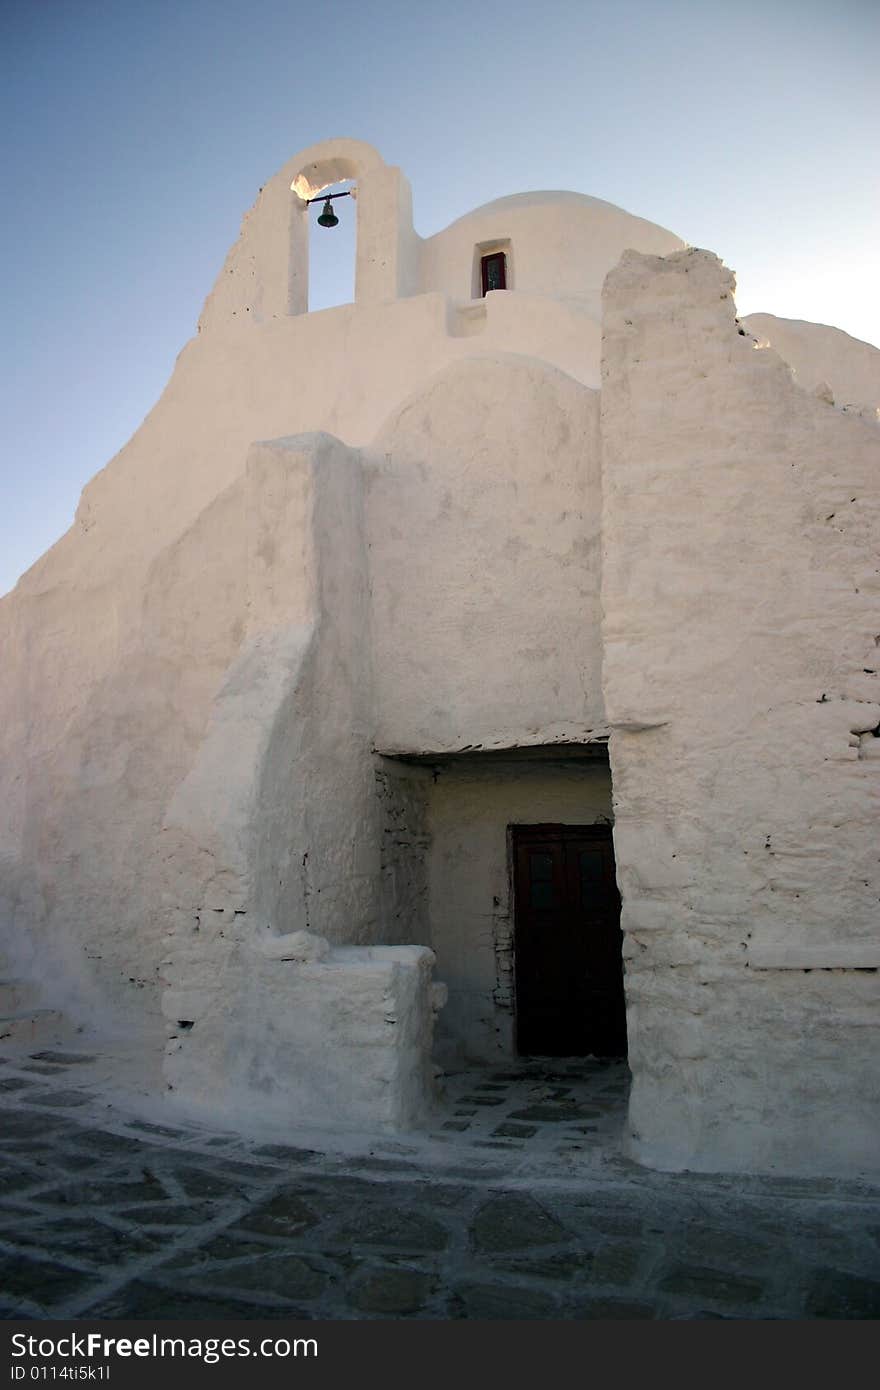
494, 257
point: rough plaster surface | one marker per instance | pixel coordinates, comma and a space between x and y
470, 809
130, 649
342, 1041
741, 632
483, 516
199, 680
402, 791
275, 828
818, 354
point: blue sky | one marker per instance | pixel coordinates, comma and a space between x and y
138, 132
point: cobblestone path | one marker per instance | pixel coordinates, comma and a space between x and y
518, 1204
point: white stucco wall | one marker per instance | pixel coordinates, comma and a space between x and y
559, 245
106, 694
342, 371
276, 827
199, 679
402, 789
740, 623
117, 641
483, 515
262, 368
470, 807
821, 355
340, 1042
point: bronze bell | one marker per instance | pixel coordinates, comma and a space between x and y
328, 217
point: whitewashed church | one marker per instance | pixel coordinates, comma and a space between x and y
489, 667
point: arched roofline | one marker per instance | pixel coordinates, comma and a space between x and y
329, 162
539, 199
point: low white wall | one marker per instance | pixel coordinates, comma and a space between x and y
339, 1042
470, 808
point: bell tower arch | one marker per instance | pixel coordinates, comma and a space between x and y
386, 262
266, 274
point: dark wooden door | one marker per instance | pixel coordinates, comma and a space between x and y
567, 942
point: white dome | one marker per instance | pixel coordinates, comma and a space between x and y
558, 243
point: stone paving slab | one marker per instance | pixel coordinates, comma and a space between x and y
107, 1213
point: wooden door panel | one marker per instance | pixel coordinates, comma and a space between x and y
568, 963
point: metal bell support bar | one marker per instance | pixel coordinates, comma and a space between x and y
328, 217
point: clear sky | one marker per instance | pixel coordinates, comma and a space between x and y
138, 132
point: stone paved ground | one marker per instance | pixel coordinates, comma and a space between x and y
518, 1204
